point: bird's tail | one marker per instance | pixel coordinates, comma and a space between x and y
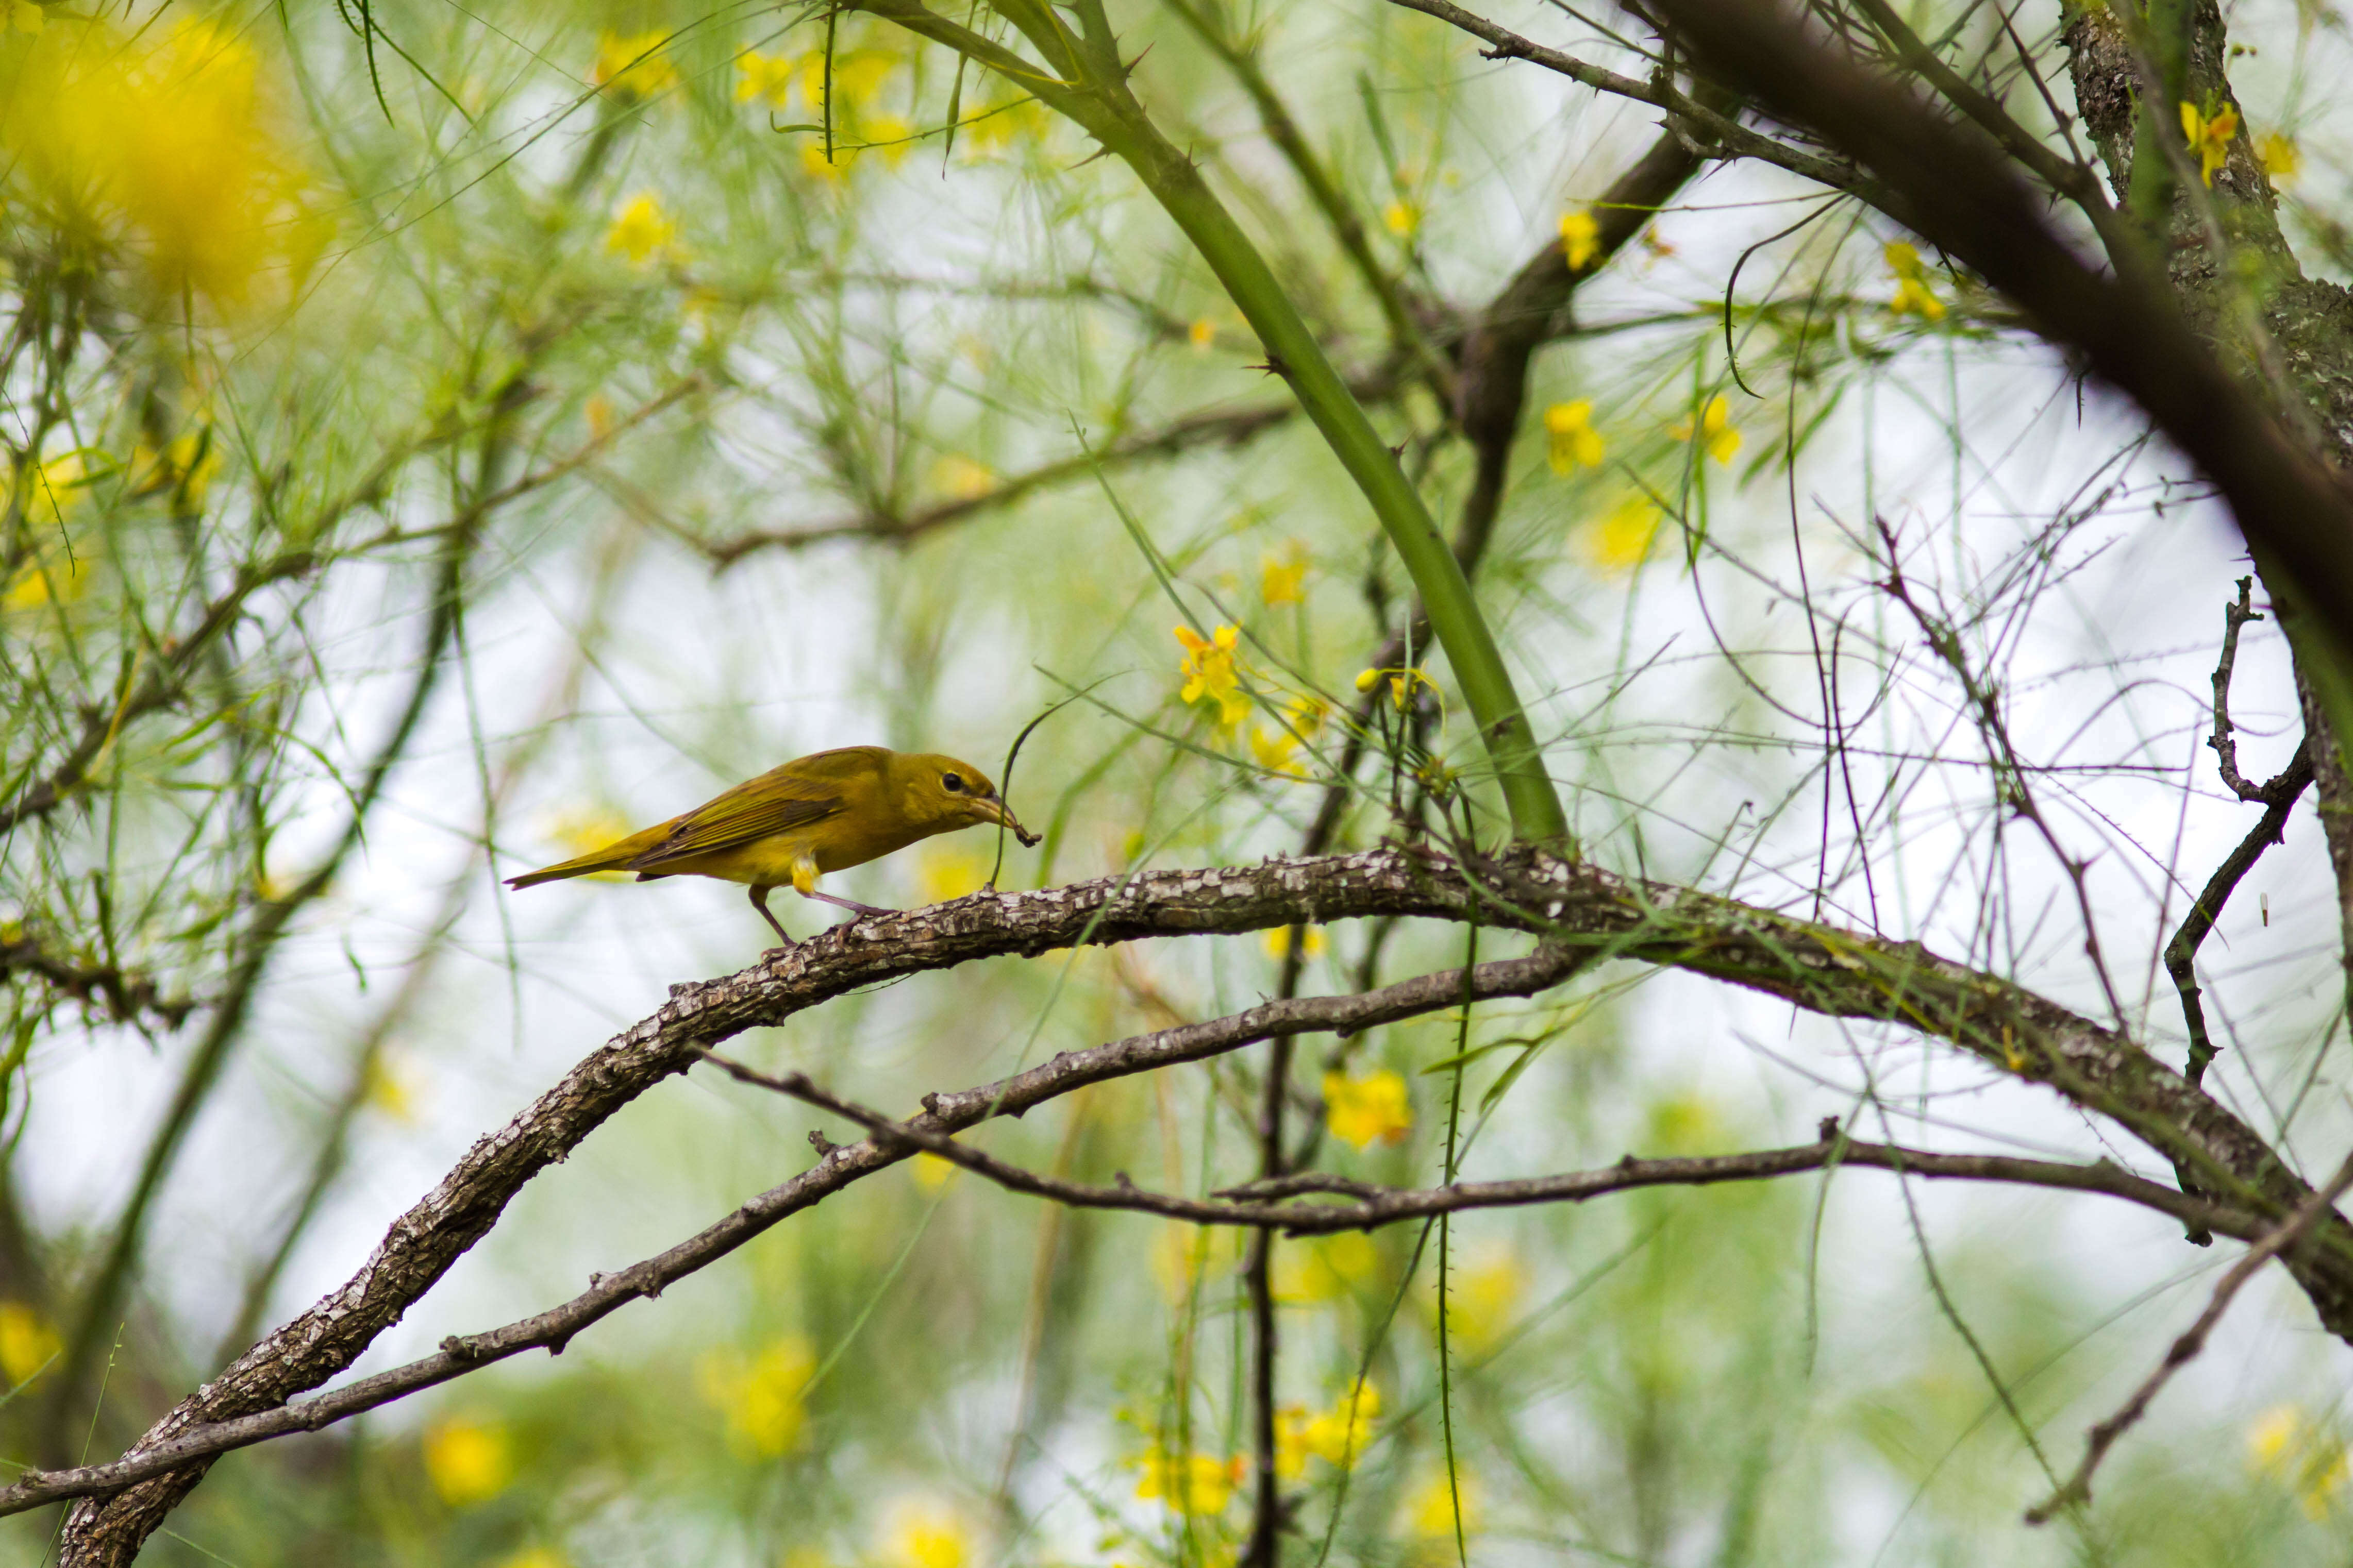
612, 857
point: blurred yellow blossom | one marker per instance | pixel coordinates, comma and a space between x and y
932, 1171
1401, 218
1278, 941
763, 77
1580, 238
862, 75
1571, 441
1276, 751
2210, 138
890, 136
1194, 1484
927, 1533
1202, 334
760, 1396
167, 143
1182, 1255
1429, 1509
961, 477
633, 64
1716, 429
1360, 1109
469, 1460
24, 16
992, 128
2287, 1443
392, 1088
1283, 579
642, 231
2282, 159
1326, 1269
1337, 1436
1210, 672
28, 1344
806, 1557
1621, 541
584, 829
816, 165
1912, 296
39, 583
1483, 1296
1685, 1124
945, 872
534, 1557
600, 414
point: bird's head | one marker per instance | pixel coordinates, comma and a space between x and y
945, 794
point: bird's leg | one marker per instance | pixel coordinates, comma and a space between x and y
760, 902
848, 904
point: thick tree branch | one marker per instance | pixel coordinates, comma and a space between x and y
188, 1447
1586, 913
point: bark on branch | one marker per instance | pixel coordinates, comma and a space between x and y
1584, 913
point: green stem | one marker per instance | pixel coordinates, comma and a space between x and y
1086, 81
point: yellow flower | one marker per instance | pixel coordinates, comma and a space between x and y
1402, 682
2283, 160
1210, 672
1401, 218
1337, 1436
584, 829
534, 1557
1326, 1269
1202, 334
948, 871
1685, 1124
169, 145
1360, 1109
391, 1088
761, 1397
2209, 138
1483, 1296
927, 1533
2286, 1443
633, 66
1276, 752
24, 16
642, 230
28, 1344
1580, 238
1912, 296
40, 584
932, 1171
890, 136
1715, 427
467, 1460
961, 477
1182, 1255
1283, 579
861, 76
1194, 1484
1429, 1511
1278, 941
1621, 541
816, 165
1571, 440
760, 76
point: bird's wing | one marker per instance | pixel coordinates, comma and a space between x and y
758, 809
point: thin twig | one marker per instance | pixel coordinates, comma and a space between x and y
2078, 1487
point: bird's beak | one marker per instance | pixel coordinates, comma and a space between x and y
996, 811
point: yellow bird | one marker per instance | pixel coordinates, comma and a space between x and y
792, 823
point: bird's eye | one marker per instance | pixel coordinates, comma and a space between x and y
951, 783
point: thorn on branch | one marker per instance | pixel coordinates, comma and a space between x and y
1827, 1132
824, 1145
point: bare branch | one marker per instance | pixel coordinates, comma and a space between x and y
2078, 1488
1586, 913
190, 1446
1375, 1207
